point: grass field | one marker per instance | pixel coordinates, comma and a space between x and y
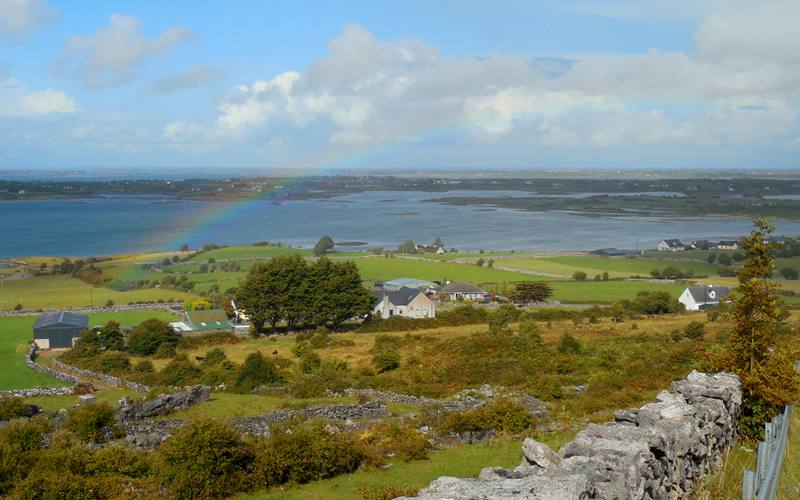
249, 252
17, 332
600, 292
457, 461
66, 291
593, 265
380, 268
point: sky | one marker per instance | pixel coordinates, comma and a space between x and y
322, 86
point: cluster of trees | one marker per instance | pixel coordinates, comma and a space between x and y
288, 290
671, 272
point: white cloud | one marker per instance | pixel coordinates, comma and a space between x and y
113, 54
16, 100
195, 76
18, 17
739, 86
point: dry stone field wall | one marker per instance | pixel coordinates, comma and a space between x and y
656, 452
108, 379
164, 403
42, 391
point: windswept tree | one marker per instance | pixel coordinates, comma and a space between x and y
337, 292
525, 292
407, 246
769, 380
323, 246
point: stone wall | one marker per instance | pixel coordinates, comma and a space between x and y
150, 306
148, 433
656, 452
42, 391
164, 403
108, 379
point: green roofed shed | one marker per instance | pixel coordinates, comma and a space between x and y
209, 320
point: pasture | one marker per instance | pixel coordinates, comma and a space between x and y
249, 252
380, 268
616, 267
52, 291
16, 334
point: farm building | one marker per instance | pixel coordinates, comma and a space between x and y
406, 302
700, 298
672, 245
728, 245
463, 291
59, 330
208, 320
398, 283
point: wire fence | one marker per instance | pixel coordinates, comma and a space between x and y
762, 483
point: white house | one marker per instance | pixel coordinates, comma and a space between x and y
671, 246
405, 302
700, 298
728, 245
463, 291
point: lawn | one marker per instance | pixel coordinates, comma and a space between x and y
249, 252
17, 332
457, 461
593, 265
380, 268
66, 291
582, 292
224, 405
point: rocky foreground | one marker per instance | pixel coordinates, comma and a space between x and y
658, 451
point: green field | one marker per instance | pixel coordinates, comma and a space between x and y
249, 252
66, 291
608, 291
380, 268
616, 267
457, 461
16, 334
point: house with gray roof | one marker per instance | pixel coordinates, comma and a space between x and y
398, 283
59, 330
671, 245
463, 291
405, 302
700, 298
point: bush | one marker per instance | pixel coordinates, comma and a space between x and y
398, 440
26, 435
790, 273
256, 371
331, 375
144, 366
114, 362
386, 361
579, 276
500, 415
165, 351
149, 335
213, 357
14, 408
307, 453
309, 362
89, 421
180, 372
386, 492
695, 330
569, 344
205, 459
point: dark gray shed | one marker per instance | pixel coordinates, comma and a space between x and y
58, 330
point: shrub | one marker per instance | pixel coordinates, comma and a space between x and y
569, 344
13, 408
149, 335
205, 459
790, 273
89, 421
309, 362
256, 371
579, 276
26, 435
695, 330
144, 366
386, 361
398, 440
213, 357
307, 453
500, 415
320, 338
180, 371
18, 307
331, 375
114, 362
386, 492
165, 351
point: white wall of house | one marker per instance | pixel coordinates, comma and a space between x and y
420, 307
454, 296
688, 301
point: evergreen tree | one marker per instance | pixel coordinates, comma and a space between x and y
323, 246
